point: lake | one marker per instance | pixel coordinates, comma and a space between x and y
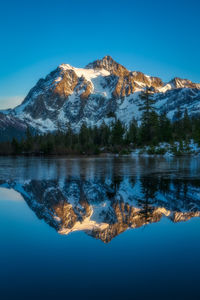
99, 228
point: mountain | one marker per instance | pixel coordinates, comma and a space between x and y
105, 207
11, 127
93, 94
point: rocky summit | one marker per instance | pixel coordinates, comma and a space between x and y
97, 93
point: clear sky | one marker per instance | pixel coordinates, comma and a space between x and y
160, 38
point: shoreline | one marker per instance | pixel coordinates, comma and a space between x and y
101, 155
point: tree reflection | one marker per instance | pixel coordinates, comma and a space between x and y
105, 207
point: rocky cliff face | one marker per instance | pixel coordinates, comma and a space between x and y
107, 63
184, 83
77, 96
11, 127
104, 208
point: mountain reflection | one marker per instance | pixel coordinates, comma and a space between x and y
106, 207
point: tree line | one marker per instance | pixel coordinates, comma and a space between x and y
153, 129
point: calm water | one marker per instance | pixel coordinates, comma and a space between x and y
99, 228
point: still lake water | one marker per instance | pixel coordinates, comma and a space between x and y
99, 228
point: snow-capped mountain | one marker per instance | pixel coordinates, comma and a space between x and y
106, 207
11, 126
92, 94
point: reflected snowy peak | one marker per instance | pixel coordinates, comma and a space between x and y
106, 207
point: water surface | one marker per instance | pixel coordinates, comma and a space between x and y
99, 228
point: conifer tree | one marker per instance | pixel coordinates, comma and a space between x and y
186, 124
15, 146
68, 136
149, 120
132, 133
83, 135
178, 124
28, 141
165, 129
104, 134
117, 133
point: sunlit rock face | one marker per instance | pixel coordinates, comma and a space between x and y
104, 208
93, 94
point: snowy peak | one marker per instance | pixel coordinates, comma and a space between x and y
128, 82
88, 73
96, 93
145, 80
109, 64
183, 83
93, 79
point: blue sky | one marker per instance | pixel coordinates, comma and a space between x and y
159, 38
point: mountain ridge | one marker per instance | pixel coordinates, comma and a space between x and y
88, 95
